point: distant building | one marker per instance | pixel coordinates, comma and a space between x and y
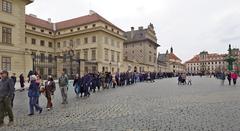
206, 63
169, 62
140, 49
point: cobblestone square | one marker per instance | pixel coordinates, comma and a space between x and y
159, 106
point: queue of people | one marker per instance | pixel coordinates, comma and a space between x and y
83, 86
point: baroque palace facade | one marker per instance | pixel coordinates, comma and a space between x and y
206, 63
85, 44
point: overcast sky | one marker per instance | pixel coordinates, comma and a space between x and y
190, 26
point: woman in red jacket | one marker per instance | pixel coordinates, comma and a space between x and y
234, 76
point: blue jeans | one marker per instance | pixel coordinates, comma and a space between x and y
33, 102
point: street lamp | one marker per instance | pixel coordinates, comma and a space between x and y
110, 66
33, 60
71, 54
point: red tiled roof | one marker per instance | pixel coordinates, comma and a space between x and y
82, 20
38, 22
194, 59
68, 23
173, 56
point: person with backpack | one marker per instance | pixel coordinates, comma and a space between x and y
222, 78
6, 94
63, 85
33, 94
50, 88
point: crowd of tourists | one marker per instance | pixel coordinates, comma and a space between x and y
230, 76
83, 87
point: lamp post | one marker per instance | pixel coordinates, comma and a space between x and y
110, 64
230, 59
33, 60
71, 54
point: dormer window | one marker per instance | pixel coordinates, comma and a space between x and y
94, 25
71, 30
42, 30
78, 28
85, 27
33, 28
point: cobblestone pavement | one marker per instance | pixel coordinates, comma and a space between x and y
159, 106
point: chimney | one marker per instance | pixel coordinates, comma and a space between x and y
49, 20
140, 28
35, 16
132, 32
54, 27
91, 12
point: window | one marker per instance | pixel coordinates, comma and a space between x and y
64, 43
118, 45
106, 26
50, 44
118, 57
150, 59
49, 71
42, 30
112, 42
71, 30
86, 40
94, 25
50, 33
25, 39
59, 33
64, 57
94, 54
33, 41
7, 6
78, 28
112, 56
94, 69
78, 41
85, 54
106, 54
33, 28
50, 58
6, 35
71, 44
94, 39
106, 40
6, 63
85, 27
86, 69
117, 32
42, 57
42, 42
58, 44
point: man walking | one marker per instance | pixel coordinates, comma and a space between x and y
63, 83
6, 94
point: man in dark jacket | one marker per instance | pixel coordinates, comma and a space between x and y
6, 94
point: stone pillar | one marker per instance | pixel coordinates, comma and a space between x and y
82, 68
59, 66
28, 63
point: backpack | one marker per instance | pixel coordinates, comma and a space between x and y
63, 81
